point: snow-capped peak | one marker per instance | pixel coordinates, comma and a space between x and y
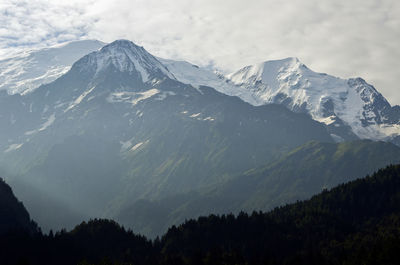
265, 72
126, 56
326, 98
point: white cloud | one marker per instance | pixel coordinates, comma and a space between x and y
37, 23
343, 38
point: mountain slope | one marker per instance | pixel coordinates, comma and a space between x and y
313, 167
298, 175
13, 215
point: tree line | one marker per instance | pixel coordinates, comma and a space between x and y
354, 223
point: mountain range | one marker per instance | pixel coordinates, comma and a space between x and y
121, 133
349, 108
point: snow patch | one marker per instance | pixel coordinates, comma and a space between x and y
209, 119
79, 99
327, 120
13, 147
49, 122
138, 145
132, 97
195, 115
44, 126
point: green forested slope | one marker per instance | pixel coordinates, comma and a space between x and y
303, 172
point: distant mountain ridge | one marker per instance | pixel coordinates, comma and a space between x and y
351, 109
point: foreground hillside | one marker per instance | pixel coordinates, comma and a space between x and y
13, 215
354, 223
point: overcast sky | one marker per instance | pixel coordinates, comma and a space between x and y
345, 38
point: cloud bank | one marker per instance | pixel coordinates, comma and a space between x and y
344, 38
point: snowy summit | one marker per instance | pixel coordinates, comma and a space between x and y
126, 56
328, 99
